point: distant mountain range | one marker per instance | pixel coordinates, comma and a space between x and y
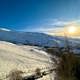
34, 38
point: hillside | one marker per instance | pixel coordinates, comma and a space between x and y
35, 38
25, 58
30, 38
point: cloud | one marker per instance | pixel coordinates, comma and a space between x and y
53, 26
60, 26
5, 29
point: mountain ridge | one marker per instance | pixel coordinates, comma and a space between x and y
33, 38
36, 38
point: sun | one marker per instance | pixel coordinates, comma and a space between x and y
71, 29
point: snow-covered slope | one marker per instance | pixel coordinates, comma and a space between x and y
25, 58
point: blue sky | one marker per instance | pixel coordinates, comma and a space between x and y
38, 15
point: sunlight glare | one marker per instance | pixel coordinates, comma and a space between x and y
71, 29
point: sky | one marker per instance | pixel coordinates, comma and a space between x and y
38, 15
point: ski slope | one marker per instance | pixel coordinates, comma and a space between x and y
25, 58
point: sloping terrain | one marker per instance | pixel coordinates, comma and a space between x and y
35, 38
30, 38
25, 58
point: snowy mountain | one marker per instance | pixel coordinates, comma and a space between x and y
23, 57
34, 38
27, 57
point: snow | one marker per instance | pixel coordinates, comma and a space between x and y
23, 58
